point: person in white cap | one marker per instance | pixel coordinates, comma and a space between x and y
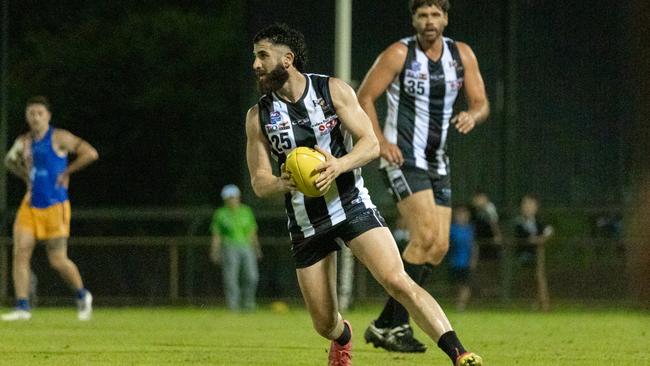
236, 248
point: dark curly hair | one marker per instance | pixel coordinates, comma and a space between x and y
280, 33
442, 4
39, 99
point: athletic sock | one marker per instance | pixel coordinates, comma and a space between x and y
385, 319
344, 338
450, 344
22, 304
81, 293
418, 273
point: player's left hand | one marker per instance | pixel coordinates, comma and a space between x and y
63, 180
464, 122
329, 170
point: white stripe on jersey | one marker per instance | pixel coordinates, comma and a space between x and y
421, 128
390, 126
450, 96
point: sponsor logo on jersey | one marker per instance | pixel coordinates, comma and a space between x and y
301, 122
456, 84
276, 117
277, 123
410, 74
415, 66
327, 125
320, 102
284, 125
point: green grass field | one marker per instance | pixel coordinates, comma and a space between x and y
214, 336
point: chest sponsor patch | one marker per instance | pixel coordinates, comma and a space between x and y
327, 125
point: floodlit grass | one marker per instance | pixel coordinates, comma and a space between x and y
214, 336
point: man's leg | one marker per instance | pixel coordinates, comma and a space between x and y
428, 226
57, 255
377, 250
251, 278
24, 243
318, 286
230, 271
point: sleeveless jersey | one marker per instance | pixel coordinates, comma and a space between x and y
420, 105
46, 166
312, 120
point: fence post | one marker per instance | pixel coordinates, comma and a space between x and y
173, 271
4, 269
507, 263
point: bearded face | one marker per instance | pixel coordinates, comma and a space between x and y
268, 82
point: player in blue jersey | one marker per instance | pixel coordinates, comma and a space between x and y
301, 109
40, 158
422, 76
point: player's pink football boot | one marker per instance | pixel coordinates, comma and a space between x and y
341, 355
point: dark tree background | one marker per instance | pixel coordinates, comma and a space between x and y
161, 88
151, 84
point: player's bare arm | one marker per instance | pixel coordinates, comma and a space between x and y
264, 182
15, 161
356, 121
478, 105
387, 67
68, 143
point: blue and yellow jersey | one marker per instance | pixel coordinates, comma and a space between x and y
47, 165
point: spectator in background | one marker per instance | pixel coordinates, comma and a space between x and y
235, 246
486, 223
531, 235
461, 256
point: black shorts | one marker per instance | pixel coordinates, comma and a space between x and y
312, 249
404, 181
459, 276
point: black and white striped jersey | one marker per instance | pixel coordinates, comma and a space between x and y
420, 105
311, 121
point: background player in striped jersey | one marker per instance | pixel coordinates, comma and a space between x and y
299, 109
40, 158
421, 76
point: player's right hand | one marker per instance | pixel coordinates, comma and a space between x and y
391, 153
286, 181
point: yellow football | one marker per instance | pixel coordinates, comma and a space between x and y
301, 163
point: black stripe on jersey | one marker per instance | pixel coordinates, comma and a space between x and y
406, 110
437, 93
455, 54
346, 181
264, 106
300, 124
316, 206
294, 228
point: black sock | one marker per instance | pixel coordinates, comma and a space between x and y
418, 273
344, 338
450, 344
385, 319
427, 269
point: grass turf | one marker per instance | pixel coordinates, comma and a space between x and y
214, 336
